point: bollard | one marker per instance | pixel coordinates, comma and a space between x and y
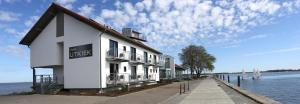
128, 89
188, 85
223, 77
183, 87
228, 78
180, 89
238, 81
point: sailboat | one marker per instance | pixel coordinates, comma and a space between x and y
244, 75
256, 74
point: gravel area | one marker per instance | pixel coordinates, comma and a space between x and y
51, 99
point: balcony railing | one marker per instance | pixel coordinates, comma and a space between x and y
136, 59
117, 78
150, 62
117, 55
125, 78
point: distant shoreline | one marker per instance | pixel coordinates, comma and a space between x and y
13, 82
277, 70
283, 70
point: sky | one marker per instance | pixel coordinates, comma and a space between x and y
261, 34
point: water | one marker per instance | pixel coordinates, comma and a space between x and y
280, 86
8, 88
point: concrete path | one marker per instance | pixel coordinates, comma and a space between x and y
207, 92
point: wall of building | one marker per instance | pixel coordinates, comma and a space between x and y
139, 50
81, 72
58, 74
47, 50
167, 69
44, 50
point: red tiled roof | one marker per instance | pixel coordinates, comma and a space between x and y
55, 8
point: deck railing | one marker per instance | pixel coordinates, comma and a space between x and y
125, 78
117, 55
136, 58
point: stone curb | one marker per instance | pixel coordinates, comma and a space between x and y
255, 97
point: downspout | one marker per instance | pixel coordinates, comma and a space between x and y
100, 34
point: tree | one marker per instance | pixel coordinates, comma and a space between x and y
196, 59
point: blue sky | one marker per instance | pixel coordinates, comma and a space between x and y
261, 34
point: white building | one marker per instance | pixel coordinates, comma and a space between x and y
167, 67
87, 55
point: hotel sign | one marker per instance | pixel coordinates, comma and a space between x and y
81, 51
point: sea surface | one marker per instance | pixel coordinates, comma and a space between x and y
280, 86
8, 88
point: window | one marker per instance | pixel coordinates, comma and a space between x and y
132, 53
60, 25
146, 71
154, 57
125, 69
124, 48
150, 56
167, 63
113, 48
146, 56
133, 72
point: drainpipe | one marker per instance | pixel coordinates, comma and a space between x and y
100, 34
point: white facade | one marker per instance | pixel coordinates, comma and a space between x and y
167, 67
48, 50
44, 50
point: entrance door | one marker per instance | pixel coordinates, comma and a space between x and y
113, 71
146, 72
133, 72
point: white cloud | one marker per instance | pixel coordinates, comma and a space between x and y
14, 50
15, 32
9, 16
86, 9
274, 51
13, 1
258, 36
168, 23
66, 3
20, 33
31, 21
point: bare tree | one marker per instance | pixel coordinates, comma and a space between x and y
196, 59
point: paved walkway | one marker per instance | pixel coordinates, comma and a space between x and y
207, 92
149, 96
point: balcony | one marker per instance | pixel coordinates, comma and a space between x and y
136, 59
117, 55
114, 79
150, 62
